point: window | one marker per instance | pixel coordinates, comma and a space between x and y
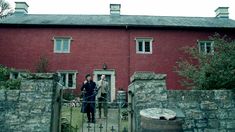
206, 47
144, 45
62, 44
68, 78
16, 74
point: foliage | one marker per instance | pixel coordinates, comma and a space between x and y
42, 65
4, 73
13, 84
66, 112
68, 96
5, 82
209, 71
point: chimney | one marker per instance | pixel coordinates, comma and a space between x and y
222, 12
115, 9
21, 8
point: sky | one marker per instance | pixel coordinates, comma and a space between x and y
194, 8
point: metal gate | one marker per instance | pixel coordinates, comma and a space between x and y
73, 120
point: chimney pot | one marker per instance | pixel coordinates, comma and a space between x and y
21, 8
115, 9
222, 12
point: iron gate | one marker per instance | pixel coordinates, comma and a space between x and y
72, 120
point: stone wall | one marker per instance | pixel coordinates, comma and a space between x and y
204, 110
30, 108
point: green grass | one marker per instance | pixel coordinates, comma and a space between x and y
76, 115
124, 124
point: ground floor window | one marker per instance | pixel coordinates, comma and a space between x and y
68, 78
16, 74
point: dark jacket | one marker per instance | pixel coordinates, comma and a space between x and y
88, 96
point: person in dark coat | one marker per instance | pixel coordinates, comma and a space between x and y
89, 92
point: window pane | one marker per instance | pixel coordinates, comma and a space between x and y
58, 45
202, 47
63, 79
140, 46
70, 80
66, 45
147, 46
208, 47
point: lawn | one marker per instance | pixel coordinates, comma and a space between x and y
76, 120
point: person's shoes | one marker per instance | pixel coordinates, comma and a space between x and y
88, 121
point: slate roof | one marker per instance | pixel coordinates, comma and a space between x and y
117, 21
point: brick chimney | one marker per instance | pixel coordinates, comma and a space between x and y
222, 12
115, 9
21, 8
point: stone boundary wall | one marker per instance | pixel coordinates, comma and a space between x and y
30, 108
204, 110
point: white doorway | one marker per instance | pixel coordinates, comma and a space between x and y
111, 79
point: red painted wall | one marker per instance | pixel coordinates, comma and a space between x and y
21, 48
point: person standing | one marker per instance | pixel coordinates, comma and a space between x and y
103, 88
89, 92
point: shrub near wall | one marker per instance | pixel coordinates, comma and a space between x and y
204, 110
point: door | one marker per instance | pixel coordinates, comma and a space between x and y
108, 79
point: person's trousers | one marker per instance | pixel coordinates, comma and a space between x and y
102, 101
90, 112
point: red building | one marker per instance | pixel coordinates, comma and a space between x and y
115, 45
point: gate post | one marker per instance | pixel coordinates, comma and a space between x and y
144, 87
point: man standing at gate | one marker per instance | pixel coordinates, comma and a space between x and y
88, 103
103, 88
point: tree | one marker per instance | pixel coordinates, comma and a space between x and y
209, 71
42, 65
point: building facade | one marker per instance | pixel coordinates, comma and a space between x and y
116, 45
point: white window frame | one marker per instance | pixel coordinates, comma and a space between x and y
67, 78
143, 42
16, 72
62, 38
205, 49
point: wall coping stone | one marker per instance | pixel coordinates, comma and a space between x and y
38, 75
142, 75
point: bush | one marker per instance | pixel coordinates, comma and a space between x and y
211, 71
5, 82
42, 65
4, 73
68, 96
13, 84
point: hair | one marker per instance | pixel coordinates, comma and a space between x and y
87, 75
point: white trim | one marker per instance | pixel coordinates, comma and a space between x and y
67, 78
143, 42
205, 49
113, 80
62, 39
17, 72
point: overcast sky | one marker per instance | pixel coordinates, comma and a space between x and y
203, 8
